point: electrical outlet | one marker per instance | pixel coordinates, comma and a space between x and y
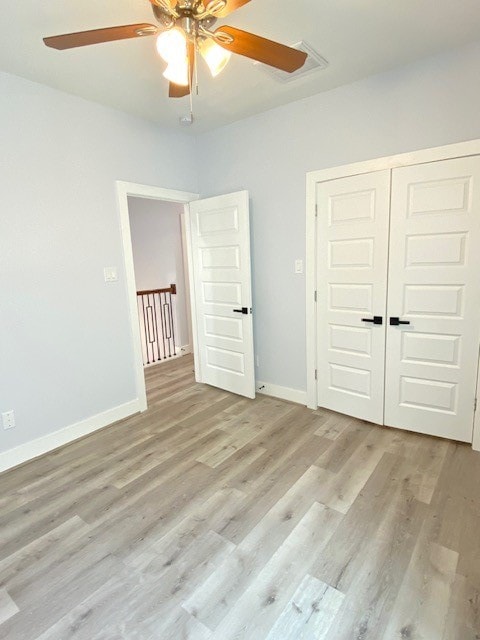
8, 419
299, 265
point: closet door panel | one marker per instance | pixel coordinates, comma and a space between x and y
352, 242
434, 286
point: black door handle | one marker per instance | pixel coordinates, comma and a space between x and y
243, 310
374, 320
394, 321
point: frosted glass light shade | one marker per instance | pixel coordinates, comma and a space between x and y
177, 72
215, 56
172, 45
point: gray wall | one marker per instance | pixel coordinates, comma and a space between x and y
66, 349
158, 254
431, 103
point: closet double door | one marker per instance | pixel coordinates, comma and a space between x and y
398, 296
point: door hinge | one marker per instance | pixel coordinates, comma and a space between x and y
315, 296
475, 405
316, 210
315, 374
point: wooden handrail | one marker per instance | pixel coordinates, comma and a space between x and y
171, 289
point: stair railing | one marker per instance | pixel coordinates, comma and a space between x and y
155, 310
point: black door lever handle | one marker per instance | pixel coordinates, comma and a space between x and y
374, 320
243, 310
394, 321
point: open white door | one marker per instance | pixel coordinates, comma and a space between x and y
221, 279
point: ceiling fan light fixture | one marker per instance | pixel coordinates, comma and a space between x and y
184, 27
215, 56
172, 45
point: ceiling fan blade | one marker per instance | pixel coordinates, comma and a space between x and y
177, 90
96, 36
260, 49
230, 6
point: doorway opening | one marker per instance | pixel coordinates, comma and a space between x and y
143, 206
161, 278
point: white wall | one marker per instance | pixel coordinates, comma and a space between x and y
158, 254
431, 103
65, 344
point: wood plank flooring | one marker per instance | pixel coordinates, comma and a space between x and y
213, 517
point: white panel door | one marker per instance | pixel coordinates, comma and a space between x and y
220, 246
434, 287
352, 250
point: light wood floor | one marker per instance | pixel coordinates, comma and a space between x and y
211, 517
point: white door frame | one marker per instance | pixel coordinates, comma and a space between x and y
125, 189
458, 150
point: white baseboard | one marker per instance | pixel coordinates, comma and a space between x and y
179, 351
182, 351
476, 433
285, 393
38, 447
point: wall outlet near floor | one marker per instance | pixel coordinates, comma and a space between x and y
8, 419
298, 265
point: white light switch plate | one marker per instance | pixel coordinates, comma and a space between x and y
110, 274
299, 265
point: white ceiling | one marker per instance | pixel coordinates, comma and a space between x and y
357, 37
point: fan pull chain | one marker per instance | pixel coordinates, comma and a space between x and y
196, 66
191, 79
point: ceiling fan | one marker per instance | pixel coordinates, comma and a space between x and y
185, 28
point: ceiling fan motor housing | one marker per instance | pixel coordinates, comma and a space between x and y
186, 19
